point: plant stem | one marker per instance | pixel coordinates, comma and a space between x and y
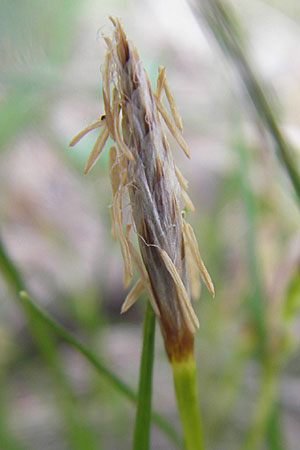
263, 408
274, 435
270, 372
9, 271
256, 301
143, 412
184, 373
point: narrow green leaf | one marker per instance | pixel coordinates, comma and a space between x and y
13, 278
113, 379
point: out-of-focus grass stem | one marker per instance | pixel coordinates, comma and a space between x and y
80, 438
256, 303
14, 280
257, 306
113, 379
263, 408
225, 28
274, 435
222, 23
9, 271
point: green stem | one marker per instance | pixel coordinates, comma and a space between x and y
270, 374
274, 438
143, 412
9, 271
184, 373
256, 303
263, 408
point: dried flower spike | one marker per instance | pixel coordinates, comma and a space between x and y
141, 164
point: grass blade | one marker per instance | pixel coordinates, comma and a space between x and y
13, 278
113, 379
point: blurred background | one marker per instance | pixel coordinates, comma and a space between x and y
55, 225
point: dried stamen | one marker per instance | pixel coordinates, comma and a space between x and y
143, 276
188, 312
160, 81
172, 103
188, 202
120, 143
98, 123
193, 273
133, 296
97, 149
182, 181
106, 94
192, 241
171, 126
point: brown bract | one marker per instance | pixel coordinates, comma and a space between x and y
142, 166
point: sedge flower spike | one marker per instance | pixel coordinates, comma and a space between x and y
142, 165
